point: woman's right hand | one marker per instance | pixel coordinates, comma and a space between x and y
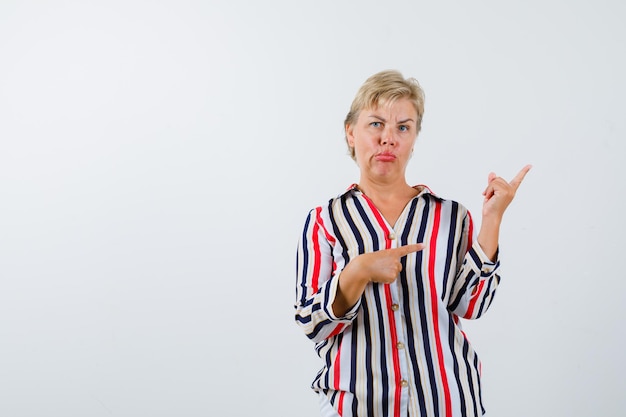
382, 266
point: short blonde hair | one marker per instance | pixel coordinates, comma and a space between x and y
385, 86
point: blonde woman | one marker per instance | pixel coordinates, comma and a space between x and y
386, 271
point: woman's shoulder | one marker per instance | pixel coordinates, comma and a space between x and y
427, 193
330, 203
323, 205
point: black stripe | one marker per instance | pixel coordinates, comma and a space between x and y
319, 346
469, 374
305, 260
457, 374
421, 308
353, 365
355, 230
333, 398
369, 374
384, 375
318, 328
338, 236
450, 248
471, 279
486, 299
480, 389
407, 308
430, 363
368, 224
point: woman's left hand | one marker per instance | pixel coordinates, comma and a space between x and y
499, 193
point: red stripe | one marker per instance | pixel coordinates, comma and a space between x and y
317, 254
330, 238
336, 379
340, 326
340, 405
390, 314
319, 223
434, 300
475, 296
394, 349
380, 220
337, 330
476, 292
337, 368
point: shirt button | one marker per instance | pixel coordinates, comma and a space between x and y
400, 345
392, 236
395, 307
404, 383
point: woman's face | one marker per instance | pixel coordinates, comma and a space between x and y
383, 139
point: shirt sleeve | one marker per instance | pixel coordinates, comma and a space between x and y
316, 283
477, 278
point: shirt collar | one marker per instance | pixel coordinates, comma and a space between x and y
424, 190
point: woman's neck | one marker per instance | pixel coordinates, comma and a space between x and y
385, 190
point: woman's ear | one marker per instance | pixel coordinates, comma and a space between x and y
350, 135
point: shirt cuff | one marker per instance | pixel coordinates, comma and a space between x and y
482, 261
331, 292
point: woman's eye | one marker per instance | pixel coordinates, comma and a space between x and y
404, 128
375, 124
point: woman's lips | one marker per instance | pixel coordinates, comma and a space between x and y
385, 157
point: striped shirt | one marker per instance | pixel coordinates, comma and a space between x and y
401, 349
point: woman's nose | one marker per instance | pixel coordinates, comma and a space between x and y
387, 137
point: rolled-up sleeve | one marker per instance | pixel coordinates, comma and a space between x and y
477, 279
317, 282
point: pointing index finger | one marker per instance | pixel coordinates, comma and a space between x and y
515, 182
406, 249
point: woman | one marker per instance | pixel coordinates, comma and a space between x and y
385, 272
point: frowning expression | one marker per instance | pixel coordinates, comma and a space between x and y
383, 138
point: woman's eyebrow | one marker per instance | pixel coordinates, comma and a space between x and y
382, 119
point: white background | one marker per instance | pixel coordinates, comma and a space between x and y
158, 159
